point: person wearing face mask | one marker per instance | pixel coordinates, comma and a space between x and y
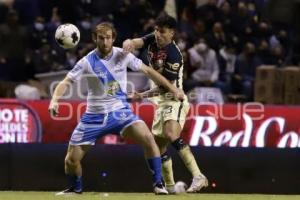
205, 62
85, 27
39, 34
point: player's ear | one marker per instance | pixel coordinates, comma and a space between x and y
173, 32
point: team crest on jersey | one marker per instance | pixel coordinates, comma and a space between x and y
112, 87
157, 58
123, 116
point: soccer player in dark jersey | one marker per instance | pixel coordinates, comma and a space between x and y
165, 57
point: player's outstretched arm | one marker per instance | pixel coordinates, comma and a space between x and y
130, 45
162, 81
58, 93
138, 96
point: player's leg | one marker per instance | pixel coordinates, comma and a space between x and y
73, 168
167, 165
83, 137
174, 116
140, 133
157, 129
172, 130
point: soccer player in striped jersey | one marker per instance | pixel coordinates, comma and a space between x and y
105, 70
165, 57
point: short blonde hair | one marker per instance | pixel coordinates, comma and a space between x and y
104, 27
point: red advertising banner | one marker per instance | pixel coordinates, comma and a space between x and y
244, 125
210, 125
19, 123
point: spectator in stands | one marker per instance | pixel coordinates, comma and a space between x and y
243, 25
217, 38
39, 34
205, 61
226, 16
277, 56
13, 47
226, 59
263, 51
45, 59
210, 13
85, 27
245, 69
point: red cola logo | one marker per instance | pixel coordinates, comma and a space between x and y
18, 123
205, 132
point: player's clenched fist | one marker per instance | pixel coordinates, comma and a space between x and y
53, 108
179, 95
128, 46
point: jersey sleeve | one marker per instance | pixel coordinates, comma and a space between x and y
134, 63
78, 70
148, 39
172, 65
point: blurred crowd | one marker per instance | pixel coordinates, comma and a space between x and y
222, 41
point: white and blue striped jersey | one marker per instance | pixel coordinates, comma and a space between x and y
106, 79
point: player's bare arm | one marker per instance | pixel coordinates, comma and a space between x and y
162, 81
58, 93
130, 45
154, 92
138, 96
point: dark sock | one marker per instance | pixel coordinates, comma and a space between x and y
178, 144
75, 182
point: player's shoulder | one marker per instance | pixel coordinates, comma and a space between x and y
91, 55
173, 51
117, 49
119, 54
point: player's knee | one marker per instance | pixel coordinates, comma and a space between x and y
69, 161
169, 135
179, 144
149, 140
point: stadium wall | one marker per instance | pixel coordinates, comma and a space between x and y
121, 168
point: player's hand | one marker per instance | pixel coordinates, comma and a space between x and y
53, 108
128, 46
135, 96
179, 95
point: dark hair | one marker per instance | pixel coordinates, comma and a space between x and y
166, 21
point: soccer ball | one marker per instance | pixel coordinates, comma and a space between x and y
180, 187
67, 36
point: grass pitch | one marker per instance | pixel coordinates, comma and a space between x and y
11, 195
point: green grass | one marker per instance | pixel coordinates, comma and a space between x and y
10, 195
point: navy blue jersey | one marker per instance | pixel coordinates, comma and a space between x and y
167, 60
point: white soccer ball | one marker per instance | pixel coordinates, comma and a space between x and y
180, 187
67, 36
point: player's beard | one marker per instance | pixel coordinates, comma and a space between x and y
105, 51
